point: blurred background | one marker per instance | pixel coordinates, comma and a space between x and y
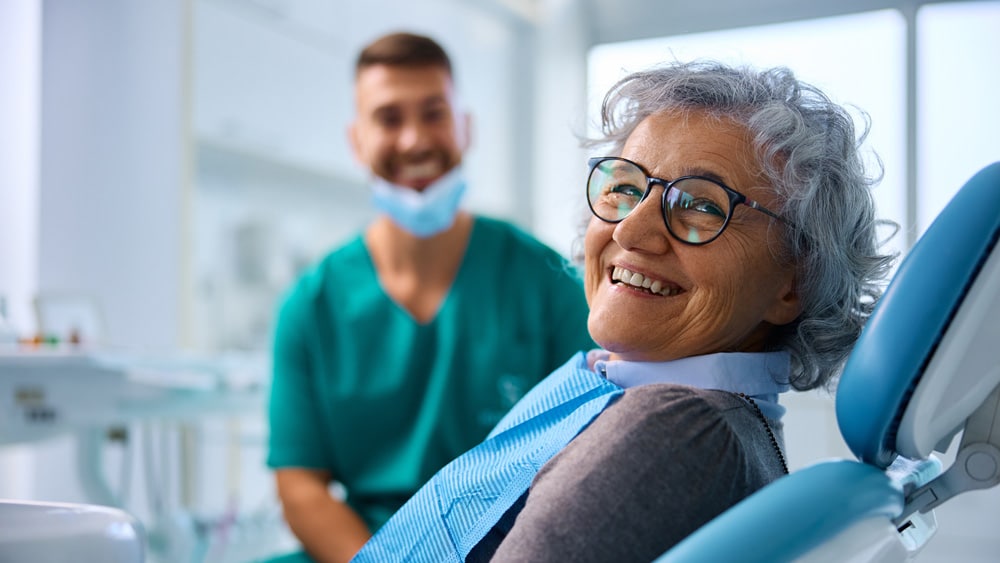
167, 168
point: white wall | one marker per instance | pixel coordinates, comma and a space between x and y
560, 117
114, 162
20, 69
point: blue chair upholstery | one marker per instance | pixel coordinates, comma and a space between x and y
926, 368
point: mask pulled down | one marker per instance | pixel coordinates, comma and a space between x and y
422, 214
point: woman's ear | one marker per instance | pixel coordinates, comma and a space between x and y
786, 306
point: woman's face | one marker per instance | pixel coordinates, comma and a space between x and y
720, 297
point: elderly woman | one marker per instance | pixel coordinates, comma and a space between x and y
731, 255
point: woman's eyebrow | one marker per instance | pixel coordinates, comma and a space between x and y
706, 173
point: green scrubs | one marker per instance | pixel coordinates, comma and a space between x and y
382, 402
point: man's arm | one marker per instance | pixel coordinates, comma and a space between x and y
329, 530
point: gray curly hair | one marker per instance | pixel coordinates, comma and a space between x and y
808, 150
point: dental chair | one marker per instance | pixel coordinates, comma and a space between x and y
926, 368
49, 532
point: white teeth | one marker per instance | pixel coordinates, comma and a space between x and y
636, 279
419, 170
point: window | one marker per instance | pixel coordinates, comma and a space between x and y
958, 117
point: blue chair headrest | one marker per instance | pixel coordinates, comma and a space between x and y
910, 320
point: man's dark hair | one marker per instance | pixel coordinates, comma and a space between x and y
403, 49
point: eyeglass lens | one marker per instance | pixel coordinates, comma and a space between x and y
695, 209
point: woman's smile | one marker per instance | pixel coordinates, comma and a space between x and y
642, 283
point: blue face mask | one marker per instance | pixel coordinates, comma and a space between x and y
422, 214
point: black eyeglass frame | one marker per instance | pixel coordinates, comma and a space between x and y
735, 198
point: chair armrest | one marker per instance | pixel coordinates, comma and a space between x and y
792, 515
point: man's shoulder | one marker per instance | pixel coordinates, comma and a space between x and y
351, 250
340, 261
347, 255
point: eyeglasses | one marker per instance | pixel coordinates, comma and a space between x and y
695, 209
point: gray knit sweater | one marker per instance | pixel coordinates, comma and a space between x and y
649, 470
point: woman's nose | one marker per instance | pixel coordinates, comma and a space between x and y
644, 229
